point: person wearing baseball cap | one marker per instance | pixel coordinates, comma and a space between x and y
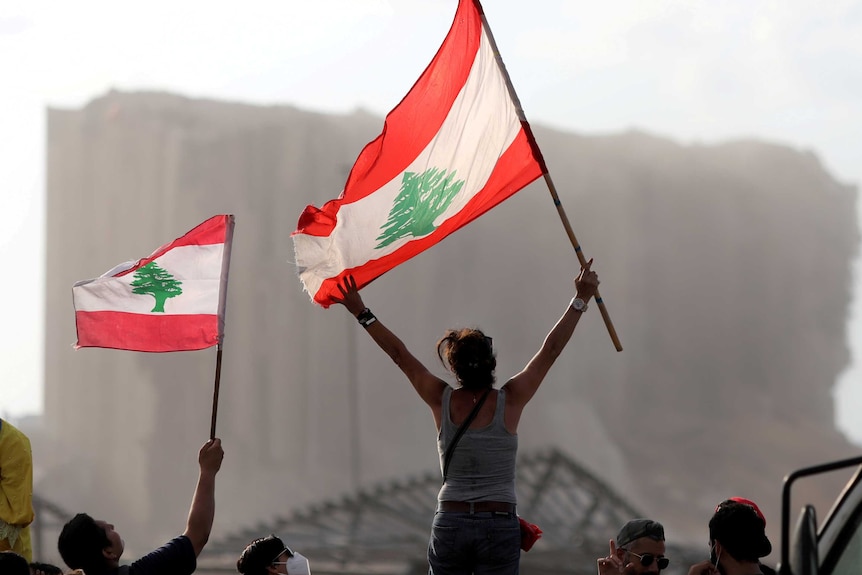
765, 569
748, 502
270, 556
737, 539
639, 548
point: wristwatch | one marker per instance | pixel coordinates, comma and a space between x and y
579, 305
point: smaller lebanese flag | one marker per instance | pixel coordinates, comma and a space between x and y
456, 146
172, 300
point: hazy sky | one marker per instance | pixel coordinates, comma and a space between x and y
788, 71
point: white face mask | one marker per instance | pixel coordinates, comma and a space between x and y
298, 565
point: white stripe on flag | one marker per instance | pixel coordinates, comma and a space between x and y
191, 265
479, 128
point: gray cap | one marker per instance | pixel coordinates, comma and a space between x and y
637, 528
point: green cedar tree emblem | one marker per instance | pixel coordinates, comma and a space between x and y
423, 197
153, 280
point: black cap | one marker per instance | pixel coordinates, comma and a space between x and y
741, 531
637, 528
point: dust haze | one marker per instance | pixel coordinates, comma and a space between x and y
726, 269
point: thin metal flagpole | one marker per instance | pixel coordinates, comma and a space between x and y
538, 154
215, 392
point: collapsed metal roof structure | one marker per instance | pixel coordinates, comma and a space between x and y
385, 528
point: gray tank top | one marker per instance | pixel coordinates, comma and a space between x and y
483, 464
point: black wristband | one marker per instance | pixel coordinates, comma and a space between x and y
365, 318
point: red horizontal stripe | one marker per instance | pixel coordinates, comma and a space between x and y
411, 125
515, 169
210, 232
141, 332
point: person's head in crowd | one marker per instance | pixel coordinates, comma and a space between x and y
469, 355
750, 503
270, 556
90, 545
640, 543
37, 568
737, 537
764, 569
13, 564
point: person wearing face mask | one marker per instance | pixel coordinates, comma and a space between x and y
737, 538
270, 556
765, 569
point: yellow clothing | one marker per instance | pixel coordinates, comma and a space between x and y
16, 491
22, 545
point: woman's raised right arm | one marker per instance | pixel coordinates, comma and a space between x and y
524, 385
427, 385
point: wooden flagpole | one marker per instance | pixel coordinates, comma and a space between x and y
538, 153
222, 306
215, 392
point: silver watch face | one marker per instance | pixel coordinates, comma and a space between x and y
579, 304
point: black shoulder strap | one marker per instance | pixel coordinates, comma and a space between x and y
450, 449
124, 570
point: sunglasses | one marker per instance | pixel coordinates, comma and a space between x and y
285, 550
647, 558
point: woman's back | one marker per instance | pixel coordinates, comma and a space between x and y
482, 467
475, 527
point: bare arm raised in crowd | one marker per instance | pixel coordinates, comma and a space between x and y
524, 385
521, 387
202, 511
427, 385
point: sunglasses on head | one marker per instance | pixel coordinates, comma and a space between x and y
647, 558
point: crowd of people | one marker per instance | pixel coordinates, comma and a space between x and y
737, 542
475, 529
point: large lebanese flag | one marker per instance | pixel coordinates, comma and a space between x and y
173, 300
454, 147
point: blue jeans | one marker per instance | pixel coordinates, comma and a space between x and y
474, 543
